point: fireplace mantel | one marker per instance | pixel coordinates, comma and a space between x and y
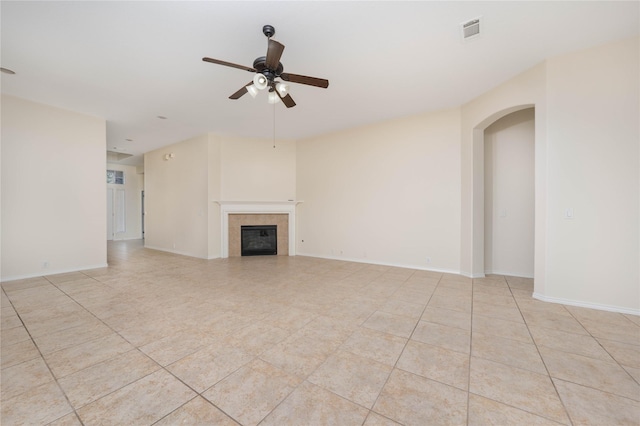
256, 207
258, 203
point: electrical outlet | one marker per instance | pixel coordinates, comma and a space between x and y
45, 264
428, 260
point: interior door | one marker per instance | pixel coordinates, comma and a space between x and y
119, 215
109, 214
142, 214
116, 217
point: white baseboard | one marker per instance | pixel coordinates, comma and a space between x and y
44, 273
589, 305
126, 238
373, 262
181, 253
509, 274
172, 251
470, 275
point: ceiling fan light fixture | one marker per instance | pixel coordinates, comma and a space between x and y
267, 69
282, 88
260, 81
253, 91
273, 98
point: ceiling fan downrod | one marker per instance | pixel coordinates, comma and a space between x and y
268, 30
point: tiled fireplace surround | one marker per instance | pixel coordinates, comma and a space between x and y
234, 214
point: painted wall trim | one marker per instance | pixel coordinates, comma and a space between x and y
54, 272
508, 274
468, 275
586, 304
373, 262
248, 203
127, 239
178, 252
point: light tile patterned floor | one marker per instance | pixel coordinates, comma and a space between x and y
157, 338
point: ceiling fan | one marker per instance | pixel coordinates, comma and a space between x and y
268, 69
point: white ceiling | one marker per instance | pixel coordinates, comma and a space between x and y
129, 62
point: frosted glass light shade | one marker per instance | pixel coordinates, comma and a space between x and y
260, 81
282, 88
273, 98
253, 91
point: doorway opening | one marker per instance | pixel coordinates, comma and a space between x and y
142, 213
509, 195
116, 216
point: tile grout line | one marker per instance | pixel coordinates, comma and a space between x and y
305, 379
608, 353
564, 407
134, 347
515, 367
470, 350
600, 344
161, 367
53, 376
192, 279
395, 365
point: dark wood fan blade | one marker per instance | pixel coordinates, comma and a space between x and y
286, 100
303, 79
274, 52
241, 92
228, 64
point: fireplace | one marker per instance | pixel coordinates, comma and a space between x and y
259, 240
234, 214
237, 221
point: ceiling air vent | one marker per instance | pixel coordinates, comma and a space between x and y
471, 29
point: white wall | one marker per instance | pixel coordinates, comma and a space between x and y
215, 176
253, 170
133, 186
421, 177
53, 190
586, 159
523, 91
176, 198
181, 193
593, 144
386, 193
509, 195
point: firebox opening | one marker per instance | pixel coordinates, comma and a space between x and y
259, 240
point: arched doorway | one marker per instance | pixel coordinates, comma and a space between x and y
509, 195
478, 188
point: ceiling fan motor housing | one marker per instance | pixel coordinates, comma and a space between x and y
260, 65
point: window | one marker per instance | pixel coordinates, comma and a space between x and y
115, 176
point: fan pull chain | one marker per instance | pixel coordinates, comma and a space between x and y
274, 125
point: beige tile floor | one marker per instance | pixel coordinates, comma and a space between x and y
157, 338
